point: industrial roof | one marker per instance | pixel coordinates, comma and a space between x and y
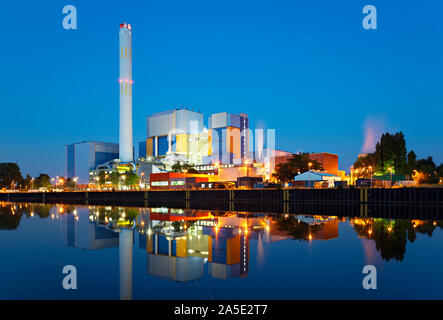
313, 175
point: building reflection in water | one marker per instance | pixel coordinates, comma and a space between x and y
181, 244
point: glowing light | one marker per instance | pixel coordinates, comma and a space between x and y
370, 231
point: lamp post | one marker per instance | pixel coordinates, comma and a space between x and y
309, 165
390, 170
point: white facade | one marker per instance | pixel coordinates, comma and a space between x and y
125, 88
178, 121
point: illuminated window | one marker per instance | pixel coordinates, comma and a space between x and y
177, 183
159, 183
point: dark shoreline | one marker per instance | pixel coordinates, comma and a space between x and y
388, 203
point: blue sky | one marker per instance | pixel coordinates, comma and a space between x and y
305, 68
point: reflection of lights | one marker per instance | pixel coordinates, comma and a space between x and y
310, 236
60, 210
370, 231
75, 212
76, 218
32, 214
52, 216
267, 228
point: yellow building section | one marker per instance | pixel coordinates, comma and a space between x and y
149, 243
233, 141
181, 250
233, 250
149, 147
209, 248
182, 143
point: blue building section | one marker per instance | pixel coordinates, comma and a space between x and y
163, 145
142, 149
84, 156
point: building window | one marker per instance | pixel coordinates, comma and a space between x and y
159, 183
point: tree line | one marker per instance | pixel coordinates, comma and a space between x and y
391, 155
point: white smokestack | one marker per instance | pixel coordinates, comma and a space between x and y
125, 143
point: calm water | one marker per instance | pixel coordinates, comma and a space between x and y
197, 254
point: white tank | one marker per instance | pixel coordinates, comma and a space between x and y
125, 92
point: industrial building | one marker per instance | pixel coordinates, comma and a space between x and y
175, 135
328, 161
230, 138
87, 155
176, 180
311, 177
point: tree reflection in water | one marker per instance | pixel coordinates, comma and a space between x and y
391, 236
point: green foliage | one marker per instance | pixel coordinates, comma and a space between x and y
10, 175
178, 167
390, 152
131, 178
428, 170
42, 181
362, 164
297, 164
114, 177
412, 159
440, 170
101, 177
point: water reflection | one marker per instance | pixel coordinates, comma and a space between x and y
185, 245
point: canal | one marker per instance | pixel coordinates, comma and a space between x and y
177, 253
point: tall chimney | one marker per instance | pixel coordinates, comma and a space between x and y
125, 81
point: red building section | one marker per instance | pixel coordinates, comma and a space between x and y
329, 161
175, 180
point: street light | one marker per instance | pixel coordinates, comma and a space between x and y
390, 169
309, 164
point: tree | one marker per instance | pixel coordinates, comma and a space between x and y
131, 178
101, 177
298, 163
426, 171
390, 152
412, 159
440, 170
178, 167
365, 166
10, 175
43, 181
27, 182
114, 177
